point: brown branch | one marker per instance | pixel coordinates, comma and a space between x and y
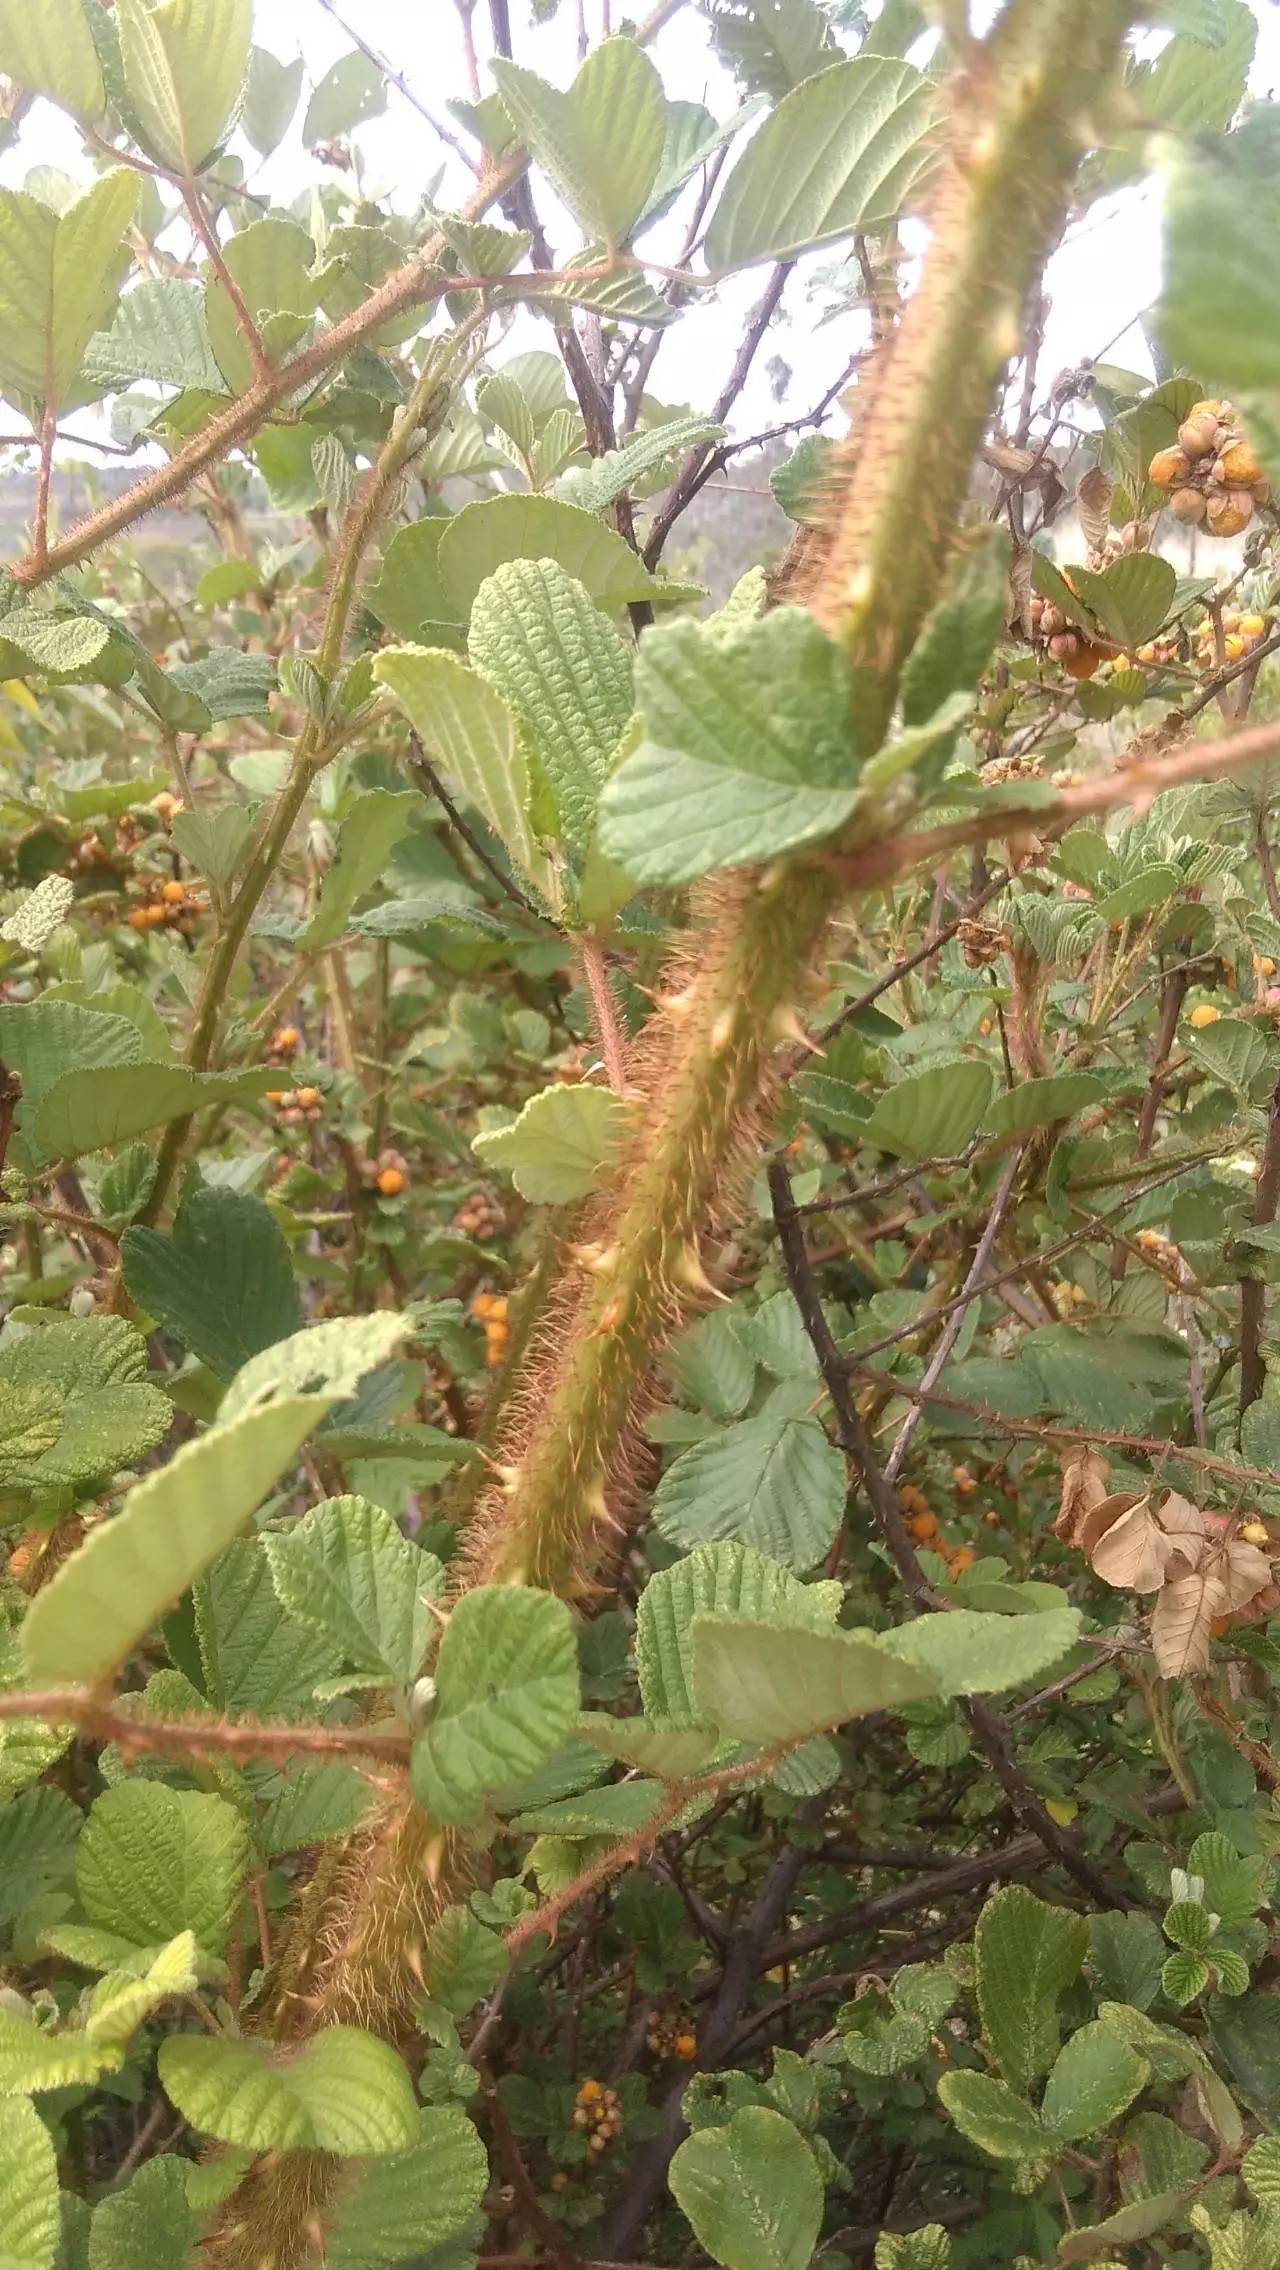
604, 1012
690, 478
904, 968
1172, 998
186, 1738
1253, 1291
208, 236
528, 2205
428, 779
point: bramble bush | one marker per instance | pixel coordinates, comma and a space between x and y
639, 1411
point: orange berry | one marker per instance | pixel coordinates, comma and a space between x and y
1239, 461
481, 1304
288, 1037
1204, 1014
923, 1525
276, 1095
308, 1098
140, 918
174, 894
962, 1560
390, 1182
686, 2045
1169, 468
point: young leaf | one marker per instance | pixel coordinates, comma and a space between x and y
601, 143
129, 1570
223, 1281
352, 90
751, 2190
468, 728
596, 485
772, 1480
849, 149
929, 2248
271, 264
507, 1695
59, 276
150, 2221
32, 2059
749, 748
159, 332
270, 99
1027, 1955
768, 1684
346, 1571
120, 2002
407, 2204
185, 66
484, 535
771, 45
344, 2092
49, 51
154, 1862
969, 1653
561, 1146
29, 2184
328, 1359
722, 1580
560, 664
1095, 2077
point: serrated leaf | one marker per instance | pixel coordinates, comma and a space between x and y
309, 1804
849, 149
561, 1145
993, 2116
933, 1114
601, 143
468, 728
119, 2004
185, 66
1037, 1103
409, 2203
486, 534
1126, 1952
39, 1040
557, 660
170, 1527
345, 2092
1095, 2077
773, 1481
597, 485
151, 2221
650, 1749
507, 1695
28, 2184
253, 1655
352, 90
409, 596
373, 826
27, 1746
345, 1570
465, 1960
772, 45
1260, 2168
751, 2191
59, 276
1129, 599
1185, 1975
222, 1281
929, 2248
107, 1417
969, 1653
38, 1833
32, 2060
768, 1684
1028, 1953
730, 1580
97, 1110
748, 748
271, 264
153, 1862
50, 51
215, 843
159, 333
270, 99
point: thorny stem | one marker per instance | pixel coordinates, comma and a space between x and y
208, 236
198, 1737
604, 1012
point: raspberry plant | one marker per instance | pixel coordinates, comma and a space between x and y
638, 1415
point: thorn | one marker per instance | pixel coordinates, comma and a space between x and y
598, 1509
722, 1029
413, 1964
785, 1024
599, 1260
676, 1005
613, 1313
313, 2231
433, 1859
691, 1273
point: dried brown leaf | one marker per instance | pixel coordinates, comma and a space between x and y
1093, 505
1183, 1619
1185, 1523
1134, 1552
1248, 1571
1085, 1474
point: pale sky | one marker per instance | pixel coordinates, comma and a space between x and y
1099, 282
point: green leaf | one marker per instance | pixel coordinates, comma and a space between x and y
1191, 86
309, 1804
465, 1960
253, 1655
993, 2116
409, 596
1037, 1103
1095, 2077
154, 1861
650, 1749
773, 1481
28, 2180
749, 748
600, 144
751, 2191
772, 45
215, 843
27, 1746
1127, 2227
1233, 1881
484, 535
959, 635
270, 99
407, 2204
1129, 599
469, 729
271, 264
506, 1697
729, 1580
223, 1281
1125, 1953
969, 1653
597, 485
50, 51
120, 2002
933, 1114
557, 660
32, 2059
1184, 1976
149, 2222
93, 1368
1260, 2168
849, 149
345, 1570
802, 484
97, 1110
38, 1833
929, 2248
59, 276
352, 90
170, 1527
185, 66
327, 1359
159, 333
1027, 1955
39, 1040
373, 826
561, 1146
1221, 303
1232, 1051
772, 1685
345, 2092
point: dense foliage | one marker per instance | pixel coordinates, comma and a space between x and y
639, 1400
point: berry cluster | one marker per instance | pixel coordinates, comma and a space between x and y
1078, 655
1213, 476
296, 1104
480, 1216
491, 1308
923, 1524
1240, 633
671, 2035
286, 1040
388, 1174
599, 2112
167, 905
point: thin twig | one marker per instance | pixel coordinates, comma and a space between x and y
198, 1737
420, 763
402, 87
687, 481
